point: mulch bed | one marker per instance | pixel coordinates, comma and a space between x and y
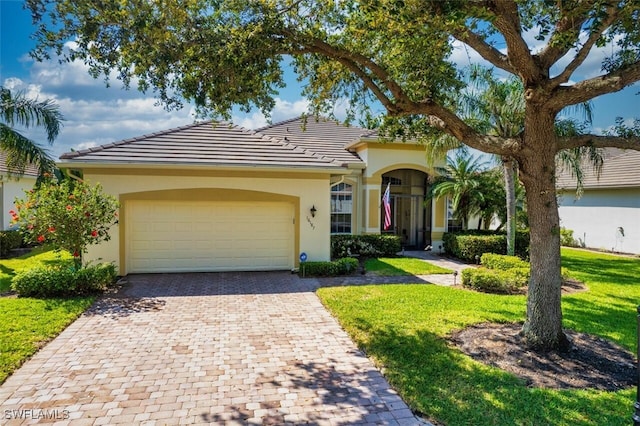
592, 362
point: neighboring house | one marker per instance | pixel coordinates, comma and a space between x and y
607, 215
12, 186
208, 197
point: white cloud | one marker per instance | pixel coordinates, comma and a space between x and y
283, 110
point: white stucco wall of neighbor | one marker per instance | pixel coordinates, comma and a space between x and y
303, 192
10, 189
607, 219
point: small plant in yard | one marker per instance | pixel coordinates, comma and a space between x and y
500, 274
343, 266
64, 280
69, 215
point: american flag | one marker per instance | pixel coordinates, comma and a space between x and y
386, 201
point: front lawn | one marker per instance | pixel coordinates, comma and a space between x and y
25, 323
10, 267
403, 328
403, 266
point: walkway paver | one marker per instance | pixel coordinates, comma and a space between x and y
226, 348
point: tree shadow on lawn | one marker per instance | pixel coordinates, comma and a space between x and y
438, 380
606, 318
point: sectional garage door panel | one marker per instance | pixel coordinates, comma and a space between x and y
167, 236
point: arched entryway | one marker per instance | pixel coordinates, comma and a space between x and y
410, 211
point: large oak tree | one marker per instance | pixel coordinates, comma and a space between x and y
221, 53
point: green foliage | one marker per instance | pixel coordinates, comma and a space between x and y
395, 266
18, 111
67, 215
495, 281
64, 280
9, 240
347, 265
566, 238
26, 324
343, 266
502, 262
466, 245
501, 274
368, 245
464, 181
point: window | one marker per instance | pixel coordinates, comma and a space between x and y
341, 208
392, 180
453, 224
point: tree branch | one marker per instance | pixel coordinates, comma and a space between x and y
600, 142
555, 49
485, 50
584, 51
588, 89
508, 23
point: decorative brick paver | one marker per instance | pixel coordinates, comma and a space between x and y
224, 348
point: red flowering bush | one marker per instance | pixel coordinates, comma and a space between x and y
67, 215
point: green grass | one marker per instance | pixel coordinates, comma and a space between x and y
403, 328
25, 323
10, 267
403, 266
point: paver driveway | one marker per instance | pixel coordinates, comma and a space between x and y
226, 348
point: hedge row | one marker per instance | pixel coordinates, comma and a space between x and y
369, 245
501, 274
471, 245
344, 266
9, 240
64, 280
494, 281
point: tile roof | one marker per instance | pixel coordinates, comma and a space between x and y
204, 143
320, 136
30, 170
621, 169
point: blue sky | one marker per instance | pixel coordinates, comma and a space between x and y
97, 115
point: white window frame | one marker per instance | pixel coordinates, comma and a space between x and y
342, 204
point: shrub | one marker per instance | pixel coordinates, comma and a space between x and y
566, 238
369, 245
9, 240
466, 245
342, 266
495, 281
69, 215
63, 280
347, 265
502, 261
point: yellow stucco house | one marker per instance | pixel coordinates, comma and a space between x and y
216, 197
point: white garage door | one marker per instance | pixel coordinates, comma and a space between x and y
190, 236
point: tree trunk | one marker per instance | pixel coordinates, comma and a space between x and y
509, 164
542, 329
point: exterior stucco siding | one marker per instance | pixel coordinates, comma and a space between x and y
598, 215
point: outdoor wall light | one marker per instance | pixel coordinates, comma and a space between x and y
313, 211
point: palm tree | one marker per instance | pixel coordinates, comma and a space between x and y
461, 180
18, 110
